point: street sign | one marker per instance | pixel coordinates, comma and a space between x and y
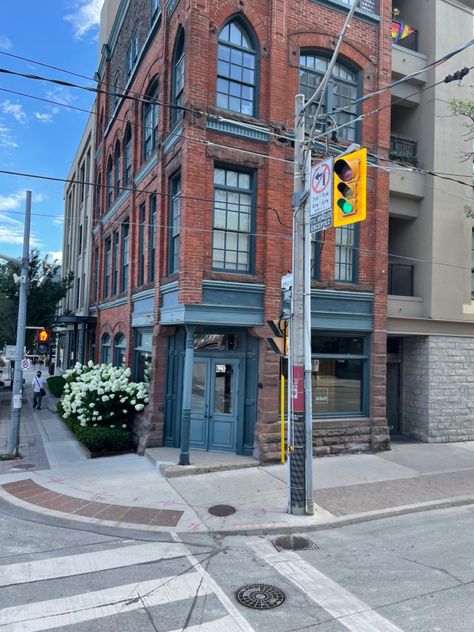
17, 401
321, 196
287, 296
10, 352
25, 363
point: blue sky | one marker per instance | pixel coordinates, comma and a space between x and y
35, 136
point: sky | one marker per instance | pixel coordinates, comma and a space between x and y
40, 137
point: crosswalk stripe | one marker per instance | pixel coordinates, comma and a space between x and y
82, 563
225, 624
349, 611
54, 613
239, 619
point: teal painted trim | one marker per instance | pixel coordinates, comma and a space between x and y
343, 294
144, 319
237, 130
140, 296
146, 168
173, 136
98, 153
169, 287
170, 7
93, 309
338, 5
342, 322
116, 303
233, 285
96, 229
212, 315
334, 310
115, 206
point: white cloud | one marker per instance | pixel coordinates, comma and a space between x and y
58, 220
15, 109
6, 139
56, 255
86, 16
46, 117
60, 94
11, 202
5, 42
11, 232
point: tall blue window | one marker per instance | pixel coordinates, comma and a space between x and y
341, 93
233, 220
110, 183
178, 79
115, 263
141, 246
155, 5
118, 169
127, 157
152, 239
105, 349
120, 347
107, 266
150, 121
236, 70
175, 220
346, 253
125, 256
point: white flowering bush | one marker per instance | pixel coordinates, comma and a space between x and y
100, 395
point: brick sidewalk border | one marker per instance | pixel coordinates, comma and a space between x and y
29, 491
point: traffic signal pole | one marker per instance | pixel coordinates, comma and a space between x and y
14, 436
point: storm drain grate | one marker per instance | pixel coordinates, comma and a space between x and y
294, 543
222, 510
260, 596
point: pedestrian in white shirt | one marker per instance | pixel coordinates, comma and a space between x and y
39, 392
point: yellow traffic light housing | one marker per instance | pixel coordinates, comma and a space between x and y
350, 188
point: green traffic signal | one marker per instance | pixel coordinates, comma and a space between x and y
345, 206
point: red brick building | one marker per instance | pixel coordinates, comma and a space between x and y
192, 215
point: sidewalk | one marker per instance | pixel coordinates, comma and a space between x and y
56, 478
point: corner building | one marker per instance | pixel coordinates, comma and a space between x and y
192, 231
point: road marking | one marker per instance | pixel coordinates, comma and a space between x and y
46, 615
226, 624
242, 624
349, 611
40, 570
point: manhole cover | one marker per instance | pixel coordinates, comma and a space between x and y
221, 510
294, 543
260, 596
24, 466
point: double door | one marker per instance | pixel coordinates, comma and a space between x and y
215, 403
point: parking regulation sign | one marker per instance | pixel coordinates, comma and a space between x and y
25, 363
321, 196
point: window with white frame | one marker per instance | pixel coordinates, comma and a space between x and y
178, 79
150, 121
175, 219
346, 253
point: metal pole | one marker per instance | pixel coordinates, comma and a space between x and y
307, 352
14, 436
187, 395
297, 450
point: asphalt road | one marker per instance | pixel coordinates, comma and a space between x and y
413, 573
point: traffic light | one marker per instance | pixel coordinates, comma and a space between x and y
350, 188
43, 335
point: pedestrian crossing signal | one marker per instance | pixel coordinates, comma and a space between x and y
350, 188
43, 335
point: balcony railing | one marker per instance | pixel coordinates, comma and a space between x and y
369, 6
403, 150
400, 279
404, 35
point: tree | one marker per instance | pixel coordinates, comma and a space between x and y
465, 109
43, 298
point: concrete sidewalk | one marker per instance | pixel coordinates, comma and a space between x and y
56, 479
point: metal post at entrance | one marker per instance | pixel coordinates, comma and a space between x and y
187, 395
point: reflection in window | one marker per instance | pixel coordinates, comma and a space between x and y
142, 366
219, 342
224, 389
178, 79
105, 350
198, 390
119, 350
236, 70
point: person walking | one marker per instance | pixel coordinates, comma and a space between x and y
39, 392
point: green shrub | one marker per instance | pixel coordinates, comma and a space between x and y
56, 385
99, 440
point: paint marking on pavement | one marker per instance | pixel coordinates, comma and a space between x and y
225, 624
55, 613
241, 622
40, 570
349, 611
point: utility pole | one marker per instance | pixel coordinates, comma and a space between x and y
300, 430
14, 436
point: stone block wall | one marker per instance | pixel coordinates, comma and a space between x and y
415, 387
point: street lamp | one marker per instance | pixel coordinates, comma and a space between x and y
22, 264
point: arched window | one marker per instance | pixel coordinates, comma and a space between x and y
105, 349
110, 183
342, 91
98, 194
118, 170
178, 78
120, 346
150, 121
127, 157
236, 69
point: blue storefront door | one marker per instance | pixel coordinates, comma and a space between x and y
215, 404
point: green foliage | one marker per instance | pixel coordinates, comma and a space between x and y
56, 385
101, 440
398, 156
43, 299
465, 109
